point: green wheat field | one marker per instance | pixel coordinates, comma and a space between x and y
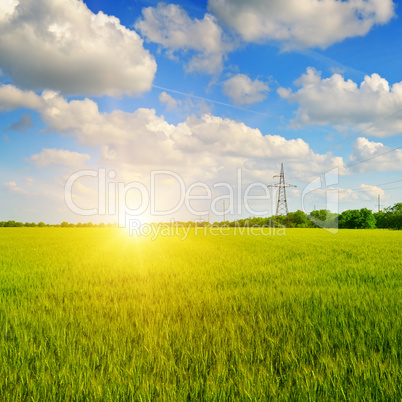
94, 314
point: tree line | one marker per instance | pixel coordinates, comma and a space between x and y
62, 225
390, 218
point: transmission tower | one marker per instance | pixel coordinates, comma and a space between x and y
282, 205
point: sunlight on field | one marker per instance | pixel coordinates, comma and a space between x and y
94, 313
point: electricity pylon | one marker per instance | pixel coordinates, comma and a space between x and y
282, 205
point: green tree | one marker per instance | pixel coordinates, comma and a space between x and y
357, 219
391, 217
367, 219
396, 208
324, 218
395, 220
298, 218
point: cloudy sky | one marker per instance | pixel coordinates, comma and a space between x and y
207, 90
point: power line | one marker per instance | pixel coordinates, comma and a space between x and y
356, 190
366, 129
208, 100
373, 157
375, 185
392, 188
350, 164
310, 176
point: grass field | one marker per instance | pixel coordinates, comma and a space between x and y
89, 314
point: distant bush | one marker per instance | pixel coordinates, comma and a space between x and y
390, 218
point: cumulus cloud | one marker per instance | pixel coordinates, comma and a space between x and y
171, 27
7, 8
206, 146
243, 91
209, 148
168, 100
228, 137
13, 98
12, 187
62, 45
302, 24
371, 106
364, 192
379, 157
53, 156
136, 137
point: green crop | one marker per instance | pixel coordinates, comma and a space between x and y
93, 314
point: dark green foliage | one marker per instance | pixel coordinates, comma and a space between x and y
324, 219
357, 219
299, 219
390, 218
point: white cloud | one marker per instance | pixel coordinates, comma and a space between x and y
363, 149
228, 137
50, 157
359, 196
370, 189
62, 45
300, 24
12, 187
13, 98
7, 8
364, 192
171, 27
371, 107
205, 147
168, 100
140, 137
243, 91
208, 147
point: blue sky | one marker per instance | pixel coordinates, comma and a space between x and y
201, 89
